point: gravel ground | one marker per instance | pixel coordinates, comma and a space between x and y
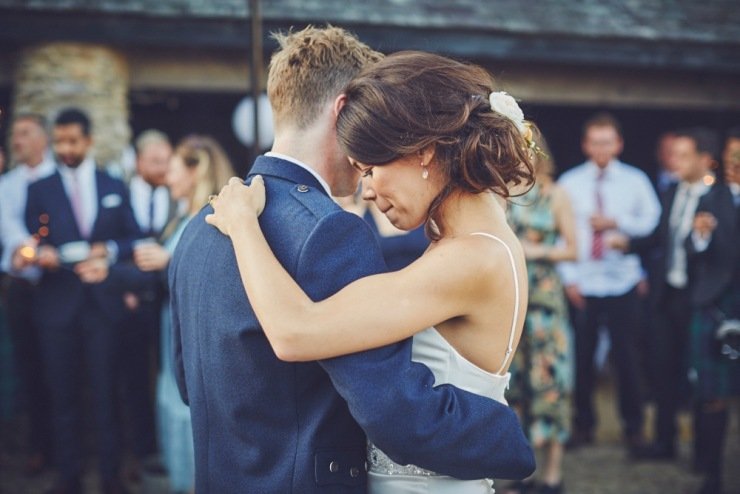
599, 469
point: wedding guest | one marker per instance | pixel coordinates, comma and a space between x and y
83, 218
150, 201
198, 168
714, 271
694, 150
29, 142
607, 196
542, 368
665, 158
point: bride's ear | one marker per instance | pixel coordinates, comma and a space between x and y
426, 155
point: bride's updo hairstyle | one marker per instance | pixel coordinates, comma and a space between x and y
411, 100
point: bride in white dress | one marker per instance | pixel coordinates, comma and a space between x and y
433, 145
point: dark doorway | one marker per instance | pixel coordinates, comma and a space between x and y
179, 114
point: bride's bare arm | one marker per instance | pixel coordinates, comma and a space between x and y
371, 312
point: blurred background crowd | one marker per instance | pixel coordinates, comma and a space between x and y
119, 119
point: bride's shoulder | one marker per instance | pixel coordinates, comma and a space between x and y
473, 254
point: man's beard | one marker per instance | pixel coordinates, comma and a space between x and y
73, 163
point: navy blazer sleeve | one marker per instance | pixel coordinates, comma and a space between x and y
178, 364
721, 248
394, 400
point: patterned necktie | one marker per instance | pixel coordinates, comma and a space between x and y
597, 241
152, 231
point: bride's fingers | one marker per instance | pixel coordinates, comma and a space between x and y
235, 181
258, 182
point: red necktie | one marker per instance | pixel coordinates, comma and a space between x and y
597, 242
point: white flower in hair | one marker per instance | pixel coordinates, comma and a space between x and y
506, 105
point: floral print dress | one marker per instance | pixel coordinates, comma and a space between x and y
542, 371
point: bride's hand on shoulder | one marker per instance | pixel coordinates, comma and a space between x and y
236, 203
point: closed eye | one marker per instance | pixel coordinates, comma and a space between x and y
365, 172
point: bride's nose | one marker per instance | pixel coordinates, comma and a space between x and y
368, 194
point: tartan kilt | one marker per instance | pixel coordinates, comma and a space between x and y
713, 375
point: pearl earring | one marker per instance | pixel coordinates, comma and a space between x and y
424, 171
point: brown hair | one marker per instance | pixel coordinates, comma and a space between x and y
544, 164
411, 100
213, 167
36, 118
311, 67
603, 119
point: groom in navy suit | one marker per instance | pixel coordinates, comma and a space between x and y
266, 426
83, 221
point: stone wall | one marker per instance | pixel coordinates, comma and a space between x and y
51, 77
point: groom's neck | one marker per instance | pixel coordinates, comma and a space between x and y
307, 146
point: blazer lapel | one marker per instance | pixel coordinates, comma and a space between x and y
278, 168
59, 196
100, 193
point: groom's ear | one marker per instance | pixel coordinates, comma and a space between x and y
339, 104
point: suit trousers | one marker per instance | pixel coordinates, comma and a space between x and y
139, 332
620, 314
83, 352
29, 363
670, 337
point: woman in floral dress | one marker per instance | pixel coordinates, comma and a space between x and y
541, 370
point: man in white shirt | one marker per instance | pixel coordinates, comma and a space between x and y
694, 151
29, 142
150, 200
607, 196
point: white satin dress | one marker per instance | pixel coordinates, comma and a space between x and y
449, 367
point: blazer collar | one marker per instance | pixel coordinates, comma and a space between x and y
283, 169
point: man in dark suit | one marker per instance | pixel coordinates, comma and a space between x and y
694, 151
150, 201
83, 221
714, 270
267, 426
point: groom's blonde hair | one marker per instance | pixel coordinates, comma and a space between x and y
311, 67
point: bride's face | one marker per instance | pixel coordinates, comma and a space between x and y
399, 189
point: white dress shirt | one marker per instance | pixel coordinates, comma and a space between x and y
310, 170
628, 198
141, 196
13, 193
84, 175
680, 226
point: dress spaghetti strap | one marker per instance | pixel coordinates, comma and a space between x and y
515, 320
